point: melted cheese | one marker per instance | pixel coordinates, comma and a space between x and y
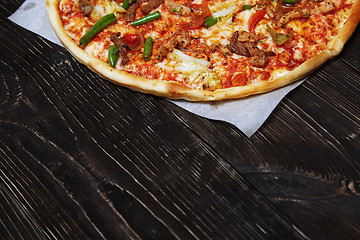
311, 35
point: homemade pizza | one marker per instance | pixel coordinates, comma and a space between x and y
203, 50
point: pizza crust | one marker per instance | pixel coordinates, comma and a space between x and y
174, 90
347, 29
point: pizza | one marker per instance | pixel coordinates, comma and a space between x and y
203, 50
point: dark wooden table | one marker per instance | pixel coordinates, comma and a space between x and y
81, 158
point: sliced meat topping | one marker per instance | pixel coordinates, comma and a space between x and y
182, 38
299, 12
270, 10
173, 40
237, 47
304, 12
150, 5
198, 50
218, 47
161, 53
131, 11
273, 11
176, 8
257, 57
116, 39
255, 51
323, 7
85, 7
244, 36
258, 61
179, 39
279, 11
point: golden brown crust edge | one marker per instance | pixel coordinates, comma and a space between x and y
347, 30
175, 90
103, 69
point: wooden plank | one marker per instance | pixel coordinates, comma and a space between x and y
9, 7
113, 161
305, 157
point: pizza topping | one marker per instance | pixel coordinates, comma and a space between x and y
263, 75
196, 22
210, 21
135, 41
98, 26
201, 9
273, 9
258, 61
122, 48
112, 7
196, 69
220, 48
214, 81
161, 53
223, 14
147, 49
279, 38
198, 15
259, 58
284, 57
176, 8
244, 36
255, 18
126, 4
263, 2
305, 12
148, 18
131, 10
300, 12
151, 5
131, 39
323, 7
205, 44
192, 63
243, 43
85, 7
178, 39
113, 55
254, 50
291, 1
237, 47
239, 79
246, 7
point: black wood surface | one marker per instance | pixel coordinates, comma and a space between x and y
81, 158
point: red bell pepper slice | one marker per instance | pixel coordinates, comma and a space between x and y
255, 18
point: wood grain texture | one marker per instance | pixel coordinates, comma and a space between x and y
9, 7
305, 158
81, 158
94, 160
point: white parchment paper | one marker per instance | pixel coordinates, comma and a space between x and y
247, 114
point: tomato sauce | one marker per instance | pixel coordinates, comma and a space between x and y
311, 35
